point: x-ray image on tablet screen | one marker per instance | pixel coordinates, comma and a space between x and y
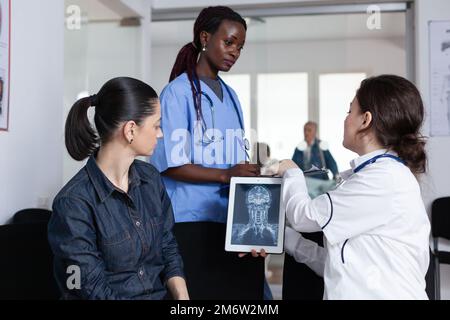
255, 215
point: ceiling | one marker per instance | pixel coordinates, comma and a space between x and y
293, 28
271, 29
98, 10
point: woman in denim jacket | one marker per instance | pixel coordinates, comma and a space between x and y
111, 228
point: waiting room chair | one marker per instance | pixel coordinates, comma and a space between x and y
26, 263
32, 216
440, 228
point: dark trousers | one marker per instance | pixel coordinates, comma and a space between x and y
211, 273
299, 281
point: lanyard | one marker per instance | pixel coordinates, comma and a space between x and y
374, 159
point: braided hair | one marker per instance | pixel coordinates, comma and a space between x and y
208, 20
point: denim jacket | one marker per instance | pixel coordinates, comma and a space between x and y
121, 243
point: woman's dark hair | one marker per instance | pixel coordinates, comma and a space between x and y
397, 116
118, 101
208, 20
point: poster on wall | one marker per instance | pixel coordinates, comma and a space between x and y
5, 35
440, 77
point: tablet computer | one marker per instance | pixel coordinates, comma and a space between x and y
256, 216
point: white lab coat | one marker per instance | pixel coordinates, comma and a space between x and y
376, 230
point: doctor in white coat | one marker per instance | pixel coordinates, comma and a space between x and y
375, 224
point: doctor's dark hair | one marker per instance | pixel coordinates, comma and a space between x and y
397, 116
118, 101
208, 20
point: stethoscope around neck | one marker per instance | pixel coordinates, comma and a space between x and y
374, 159
207, 139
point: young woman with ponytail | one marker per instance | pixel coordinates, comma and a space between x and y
375, 224
202, 149
111, 227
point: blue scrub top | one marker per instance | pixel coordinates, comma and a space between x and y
182, 145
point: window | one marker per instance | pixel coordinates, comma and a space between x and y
282, 111
336, 91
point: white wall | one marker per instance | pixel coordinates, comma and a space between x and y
95, 54
31, 152
437, 183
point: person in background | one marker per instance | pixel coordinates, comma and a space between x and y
197, 157
111, 227
375, 223
314, 152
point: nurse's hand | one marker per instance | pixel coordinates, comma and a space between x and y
285, 165
255, 254
242, 170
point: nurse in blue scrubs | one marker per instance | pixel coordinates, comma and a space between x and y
203, 147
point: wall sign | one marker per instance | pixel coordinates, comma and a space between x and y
440, 77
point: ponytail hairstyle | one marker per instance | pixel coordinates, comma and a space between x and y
118, 101
208, 20
397, 116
